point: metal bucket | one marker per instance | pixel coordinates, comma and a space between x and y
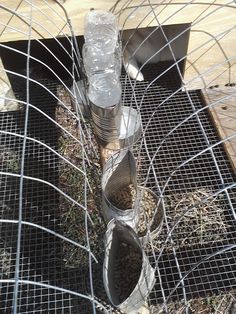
120, 238
118, 173
154, 214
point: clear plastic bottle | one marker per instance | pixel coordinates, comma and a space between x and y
105, 90
102, 58
95, 61
101, 30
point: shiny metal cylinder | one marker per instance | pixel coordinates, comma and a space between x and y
118, 173
130, 127
155, 225
118, 232
106, 122
116, 124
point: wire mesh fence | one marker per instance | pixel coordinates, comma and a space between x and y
52, 228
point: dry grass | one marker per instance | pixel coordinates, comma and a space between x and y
220, 304
5, 262
10, 159
72, 182
203, 224
128, 197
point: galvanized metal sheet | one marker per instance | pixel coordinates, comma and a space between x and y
119, 233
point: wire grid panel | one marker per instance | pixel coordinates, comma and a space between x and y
207, 227
39, 179
44, 252
186, 165
180, 156
43, 255
207, 37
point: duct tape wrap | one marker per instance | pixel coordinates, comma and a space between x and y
127, 274
118, 174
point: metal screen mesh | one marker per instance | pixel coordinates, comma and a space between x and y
44, 256
205, 229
